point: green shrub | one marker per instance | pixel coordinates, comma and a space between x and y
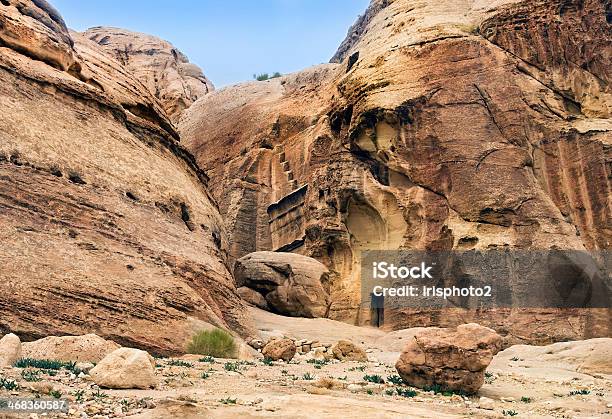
228, 400
179, 363
46, 364
579, 392
30, 375
405, 392
9, 385
216, 343
376, 379
266, 76
395, 379
231, 366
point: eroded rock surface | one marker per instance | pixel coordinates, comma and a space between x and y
86, 348
164, 70
292, 285
449, 359
444, 125
105, 220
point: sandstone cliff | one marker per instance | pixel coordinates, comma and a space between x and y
164, 70
444, 125
106, 223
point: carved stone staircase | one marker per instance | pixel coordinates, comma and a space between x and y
280, 151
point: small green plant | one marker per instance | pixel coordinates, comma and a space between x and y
579, 392
317, 361
179, 363
228, 400
359, 368
209, 359
488, 374
30, 375
514, 358
525, 399
205, 375
231, 366
55, 394
46, 364
376, 379
71, 366
395, 379
509, 412
405, 392
267, 361
125, 405
99, 394
389, 392
370, 391
10, 385
216, 343
343, 378
284, 372
437, 389
308, 376
79, 395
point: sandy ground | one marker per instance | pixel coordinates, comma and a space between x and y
565, 380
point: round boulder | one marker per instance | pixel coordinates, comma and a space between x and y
125, 368
279, 349
453, 360
345, 350
292, 284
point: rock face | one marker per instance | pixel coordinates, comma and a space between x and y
253, 298
86, 348
125, 368
165, 71
293, 285
345, 350
106, 221
445, 125
10, 350
452, 359
277, 349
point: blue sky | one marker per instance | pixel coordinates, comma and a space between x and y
229, 40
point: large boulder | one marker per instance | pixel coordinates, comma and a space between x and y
451, 359
252, 297
125, 368
279, 349
10, 350
85, 348
345, 350
292, 284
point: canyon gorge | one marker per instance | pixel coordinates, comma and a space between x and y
130, 186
